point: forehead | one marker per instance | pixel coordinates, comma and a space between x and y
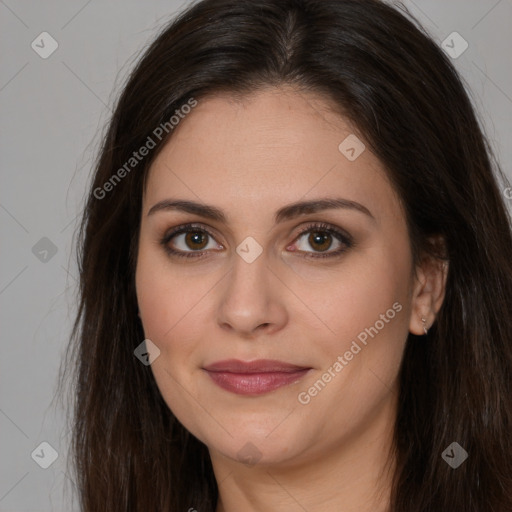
270, 148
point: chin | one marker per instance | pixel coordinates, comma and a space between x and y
255, 447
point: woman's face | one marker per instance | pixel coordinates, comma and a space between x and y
297, 252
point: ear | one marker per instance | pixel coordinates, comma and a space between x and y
428, 293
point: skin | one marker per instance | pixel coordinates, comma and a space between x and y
250, 158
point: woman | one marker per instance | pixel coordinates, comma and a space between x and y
295, 274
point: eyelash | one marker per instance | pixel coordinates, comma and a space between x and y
318, 227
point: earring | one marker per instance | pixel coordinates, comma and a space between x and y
424, 320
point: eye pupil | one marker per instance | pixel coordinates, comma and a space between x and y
196, 238
322, 239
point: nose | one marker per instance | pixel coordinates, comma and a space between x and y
252, 299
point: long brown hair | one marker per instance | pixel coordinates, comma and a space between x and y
397, 86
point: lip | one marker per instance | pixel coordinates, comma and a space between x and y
254, 377
256, 366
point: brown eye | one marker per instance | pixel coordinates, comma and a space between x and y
320, 241
189, 241
196, 240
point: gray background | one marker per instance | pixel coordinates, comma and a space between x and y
53, 113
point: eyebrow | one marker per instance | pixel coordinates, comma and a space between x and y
285, 213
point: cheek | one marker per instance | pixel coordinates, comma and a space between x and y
367, 313
173, 307
169, 310
353, 297
155, 299
365, 305
161, 295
